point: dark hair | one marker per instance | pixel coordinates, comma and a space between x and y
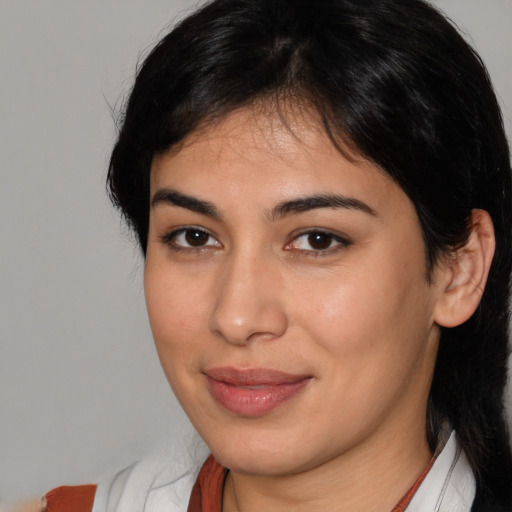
394, 81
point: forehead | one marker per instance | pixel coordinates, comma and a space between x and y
281, 152
260, 130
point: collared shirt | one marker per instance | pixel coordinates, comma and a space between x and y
153, 485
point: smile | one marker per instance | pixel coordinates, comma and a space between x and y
253, 392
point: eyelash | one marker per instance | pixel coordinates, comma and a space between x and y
336, 241
169, 239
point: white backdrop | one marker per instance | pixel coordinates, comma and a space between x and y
81, 390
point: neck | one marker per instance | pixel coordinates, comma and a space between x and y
367, 478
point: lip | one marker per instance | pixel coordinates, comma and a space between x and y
255, 391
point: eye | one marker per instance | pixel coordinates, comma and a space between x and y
190, 238
318, 242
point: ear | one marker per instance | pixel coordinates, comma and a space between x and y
465, 274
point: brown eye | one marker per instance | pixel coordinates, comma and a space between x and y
317, 242
196, 237
320, 241
190, 238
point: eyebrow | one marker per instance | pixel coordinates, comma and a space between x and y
304, 204
175, 198
300, 205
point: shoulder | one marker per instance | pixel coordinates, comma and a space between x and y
162, 482
78, 498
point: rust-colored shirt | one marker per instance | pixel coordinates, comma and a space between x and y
78, 498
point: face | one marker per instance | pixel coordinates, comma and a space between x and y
287, 293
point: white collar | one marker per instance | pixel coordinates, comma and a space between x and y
163, 482
449, 485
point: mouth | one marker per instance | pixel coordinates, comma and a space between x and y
253, 392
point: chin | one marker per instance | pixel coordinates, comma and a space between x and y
260, 464
261, 454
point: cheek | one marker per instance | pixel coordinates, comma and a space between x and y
374, 317
177, 317
177, 313
371, 346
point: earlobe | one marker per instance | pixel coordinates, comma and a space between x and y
466, 274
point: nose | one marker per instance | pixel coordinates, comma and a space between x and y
249, 302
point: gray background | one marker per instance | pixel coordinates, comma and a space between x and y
81, 390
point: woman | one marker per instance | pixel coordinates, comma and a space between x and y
322, 193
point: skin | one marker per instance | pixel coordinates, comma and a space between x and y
360, 317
